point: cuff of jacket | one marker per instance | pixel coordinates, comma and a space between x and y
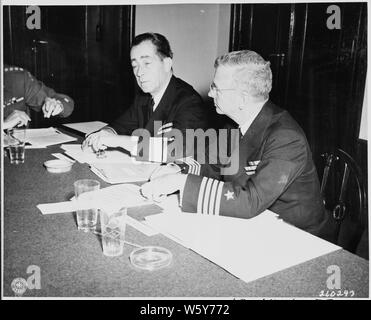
202, 195
67, 105
189, 165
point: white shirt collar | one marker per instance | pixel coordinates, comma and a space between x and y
247, 124
157, 98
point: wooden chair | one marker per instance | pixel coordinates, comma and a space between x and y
345, 200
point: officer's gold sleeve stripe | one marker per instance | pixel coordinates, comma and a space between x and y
218, 197
188, 163
197, 165
193, 167
190, 166
198, 168
210, 200
213, 197
205, 206
201, 195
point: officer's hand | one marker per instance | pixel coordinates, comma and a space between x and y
52, 107
95, 140
16, 118
164, 170
158, 188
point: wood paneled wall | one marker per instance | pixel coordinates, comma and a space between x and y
82, 51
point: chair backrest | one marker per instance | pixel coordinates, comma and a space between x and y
345, 198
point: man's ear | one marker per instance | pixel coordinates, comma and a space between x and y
168, 64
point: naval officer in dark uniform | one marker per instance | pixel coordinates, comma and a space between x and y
274, 168
163, 99
23, 91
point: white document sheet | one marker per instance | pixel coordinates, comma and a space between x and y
88, 156
247, 248
46, 137
111, 198
86, 127
127, 172
41, 138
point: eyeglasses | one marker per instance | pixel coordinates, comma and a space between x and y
213, 87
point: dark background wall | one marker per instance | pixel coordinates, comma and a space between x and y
82, 51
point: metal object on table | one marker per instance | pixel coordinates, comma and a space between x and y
101, 154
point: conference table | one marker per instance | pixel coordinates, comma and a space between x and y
70, 263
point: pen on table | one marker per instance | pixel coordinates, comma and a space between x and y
101, 154
69, 158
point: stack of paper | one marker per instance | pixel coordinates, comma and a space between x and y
86, 127
247, 248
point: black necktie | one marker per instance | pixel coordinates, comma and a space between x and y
149, 110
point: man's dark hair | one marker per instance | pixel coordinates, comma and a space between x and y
158, 40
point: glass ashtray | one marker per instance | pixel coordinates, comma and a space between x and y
151, 258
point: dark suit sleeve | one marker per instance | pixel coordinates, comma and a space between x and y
283, 160
36, 92
128, 121
191, 114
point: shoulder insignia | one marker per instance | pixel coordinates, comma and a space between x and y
13, 68
13, 101
251, 169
